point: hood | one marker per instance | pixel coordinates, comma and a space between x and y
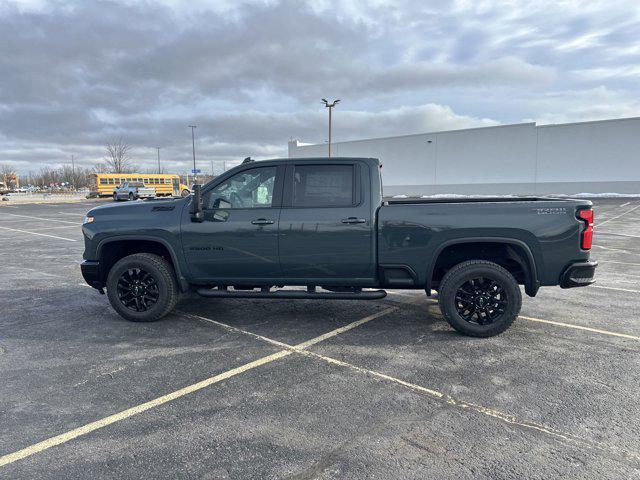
137, 207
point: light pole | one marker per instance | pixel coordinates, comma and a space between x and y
193, 144
159, 169
330, 107
73, 172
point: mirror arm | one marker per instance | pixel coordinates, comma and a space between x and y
197, 212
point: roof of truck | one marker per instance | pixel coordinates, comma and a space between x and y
280, 161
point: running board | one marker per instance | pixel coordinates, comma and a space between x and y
292, 294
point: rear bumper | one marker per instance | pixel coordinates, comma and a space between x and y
91, 273
579, 274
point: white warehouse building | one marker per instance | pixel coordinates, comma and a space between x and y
523, 159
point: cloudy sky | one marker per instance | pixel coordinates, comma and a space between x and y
251, 74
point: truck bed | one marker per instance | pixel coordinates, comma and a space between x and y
411, 231
416, 200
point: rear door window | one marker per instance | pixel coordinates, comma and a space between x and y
323, 186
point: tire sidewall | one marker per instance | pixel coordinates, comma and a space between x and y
160, 306
508, 283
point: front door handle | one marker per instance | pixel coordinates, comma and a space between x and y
351, 220
262, 221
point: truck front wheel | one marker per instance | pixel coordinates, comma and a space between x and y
142, 287
479, 298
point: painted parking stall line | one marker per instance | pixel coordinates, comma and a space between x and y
124, 414
117, 417
599, 224
39, 234
301, 349
580, 327
568, 325
602, 287
45, 219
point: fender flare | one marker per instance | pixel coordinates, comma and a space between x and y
531, 284
182, 281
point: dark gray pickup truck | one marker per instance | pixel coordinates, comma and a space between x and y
322, 224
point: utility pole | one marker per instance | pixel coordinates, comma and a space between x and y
330, 107
159, 169
73, 172
193, 144
212, 172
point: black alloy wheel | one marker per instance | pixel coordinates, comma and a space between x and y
137, 289
481, 300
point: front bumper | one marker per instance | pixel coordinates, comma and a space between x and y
579, 274
91, 273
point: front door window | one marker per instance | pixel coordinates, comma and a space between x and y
248, 189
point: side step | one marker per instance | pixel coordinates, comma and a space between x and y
292, 294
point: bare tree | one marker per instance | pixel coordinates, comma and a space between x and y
118, 157
8, 175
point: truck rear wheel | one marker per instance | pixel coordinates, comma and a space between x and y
479, 298
142, 287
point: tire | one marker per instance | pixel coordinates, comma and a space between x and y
185, 193
115, 197
494, 302
164, 290
131, 197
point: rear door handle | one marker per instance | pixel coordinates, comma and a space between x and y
353, 220
262, 221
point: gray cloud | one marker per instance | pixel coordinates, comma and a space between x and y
250, 74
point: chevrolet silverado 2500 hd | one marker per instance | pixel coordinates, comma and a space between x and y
323, 224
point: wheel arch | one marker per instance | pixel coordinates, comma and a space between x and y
110, 250
521, 253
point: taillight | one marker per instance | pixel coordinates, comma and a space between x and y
587, 234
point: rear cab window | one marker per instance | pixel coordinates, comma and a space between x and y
323, 186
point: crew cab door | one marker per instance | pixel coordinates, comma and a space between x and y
238, 239
326, 223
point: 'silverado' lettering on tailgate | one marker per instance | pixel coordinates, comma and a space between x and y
551, 211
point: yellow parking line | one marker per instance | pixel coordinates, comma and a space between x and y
599, 224
619, 263
40, 218
572, 325
103, 422
580, 327
90, 427
346, 328
615, 288
36, 233
58, 227
481, 409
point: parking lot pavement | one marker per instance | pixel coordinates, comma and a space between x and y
311, 389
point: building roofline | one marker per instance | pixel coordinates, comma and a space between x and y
606, 120
524, 124
427, 133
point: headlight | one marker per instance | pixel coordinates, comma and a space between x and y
87, 219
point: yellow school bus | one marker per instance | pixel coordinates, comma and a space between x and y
166, 185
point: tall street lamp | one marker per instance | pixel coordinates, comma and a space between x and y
330, 107
193, 144
159, 169
73, 172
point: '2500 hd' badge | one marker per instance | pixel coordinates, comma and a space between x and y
551, 211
